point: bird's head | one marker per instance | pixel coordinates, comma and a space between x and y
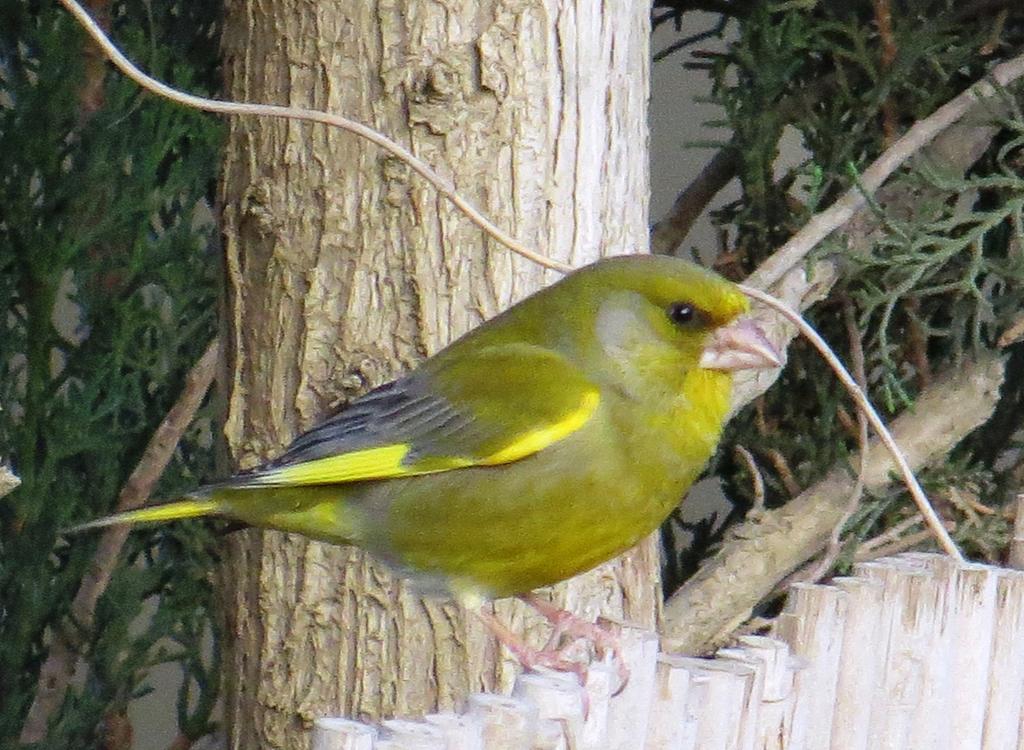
652, 313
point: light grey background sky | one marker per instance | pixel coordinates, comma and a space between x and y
678, 118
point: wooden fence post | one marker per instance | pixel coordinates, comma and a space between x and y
342, 734
1004, 704
629, 713
460, 731
860, 663
402, 734
508, 723
912, 653
1015, 557
667, 726
909, 598
559, 699
812, 625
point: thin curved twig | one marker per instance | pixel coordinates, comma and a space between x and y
820, 568
757, 552
860, 398
443, 186
58, 668
783, 260
756, 479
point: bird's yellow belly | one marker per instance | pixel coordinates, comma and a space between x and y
549, 517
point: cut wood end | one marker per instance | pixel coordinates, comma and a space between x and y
9, 481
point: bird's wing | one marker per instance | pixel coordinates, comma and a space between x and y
480, 408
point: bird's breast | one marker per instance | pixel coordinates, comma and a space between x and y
515, 527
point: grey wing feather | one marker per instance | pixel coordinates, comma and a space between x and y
401, 411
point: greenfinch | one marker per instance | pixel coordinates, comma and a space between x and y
544, 442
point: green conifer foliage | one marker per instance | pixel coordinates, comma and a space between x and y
943, 275
108, 279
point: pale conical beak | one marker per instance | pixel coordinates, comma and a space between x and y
740, 346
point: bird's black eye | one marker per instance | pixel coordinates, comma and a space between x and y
682, 313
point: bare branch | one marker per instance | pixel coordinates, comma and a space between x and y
670, 231
739, 571
894, 547
8, 480
865, 407
920, 135
868, 548
59, 665
758, 553
755, 477
442, 185
1016, 556
783, 272
801, 286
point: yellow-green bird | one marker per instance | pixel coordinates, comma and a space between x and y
537, 446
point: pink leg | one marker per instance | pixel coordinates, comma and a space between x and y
566, 623
528, 656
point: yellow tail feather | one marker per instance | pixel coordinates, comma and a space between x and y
190, 508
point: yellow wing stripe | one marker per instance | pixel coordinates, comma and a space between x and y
190, 508
537, 440
386, 462
373, 463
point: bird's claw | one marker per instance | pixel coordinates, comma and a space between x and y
565, 623
556, 655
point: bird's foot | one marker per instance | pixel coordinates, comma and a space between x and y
554, 658
565, 623
558, 655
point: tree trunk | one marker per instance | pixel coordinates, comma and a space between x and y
344, 270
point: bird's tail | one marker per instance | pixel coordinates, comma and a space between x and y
189, 507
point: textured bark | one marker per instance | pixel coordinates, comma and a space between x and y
344, 271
